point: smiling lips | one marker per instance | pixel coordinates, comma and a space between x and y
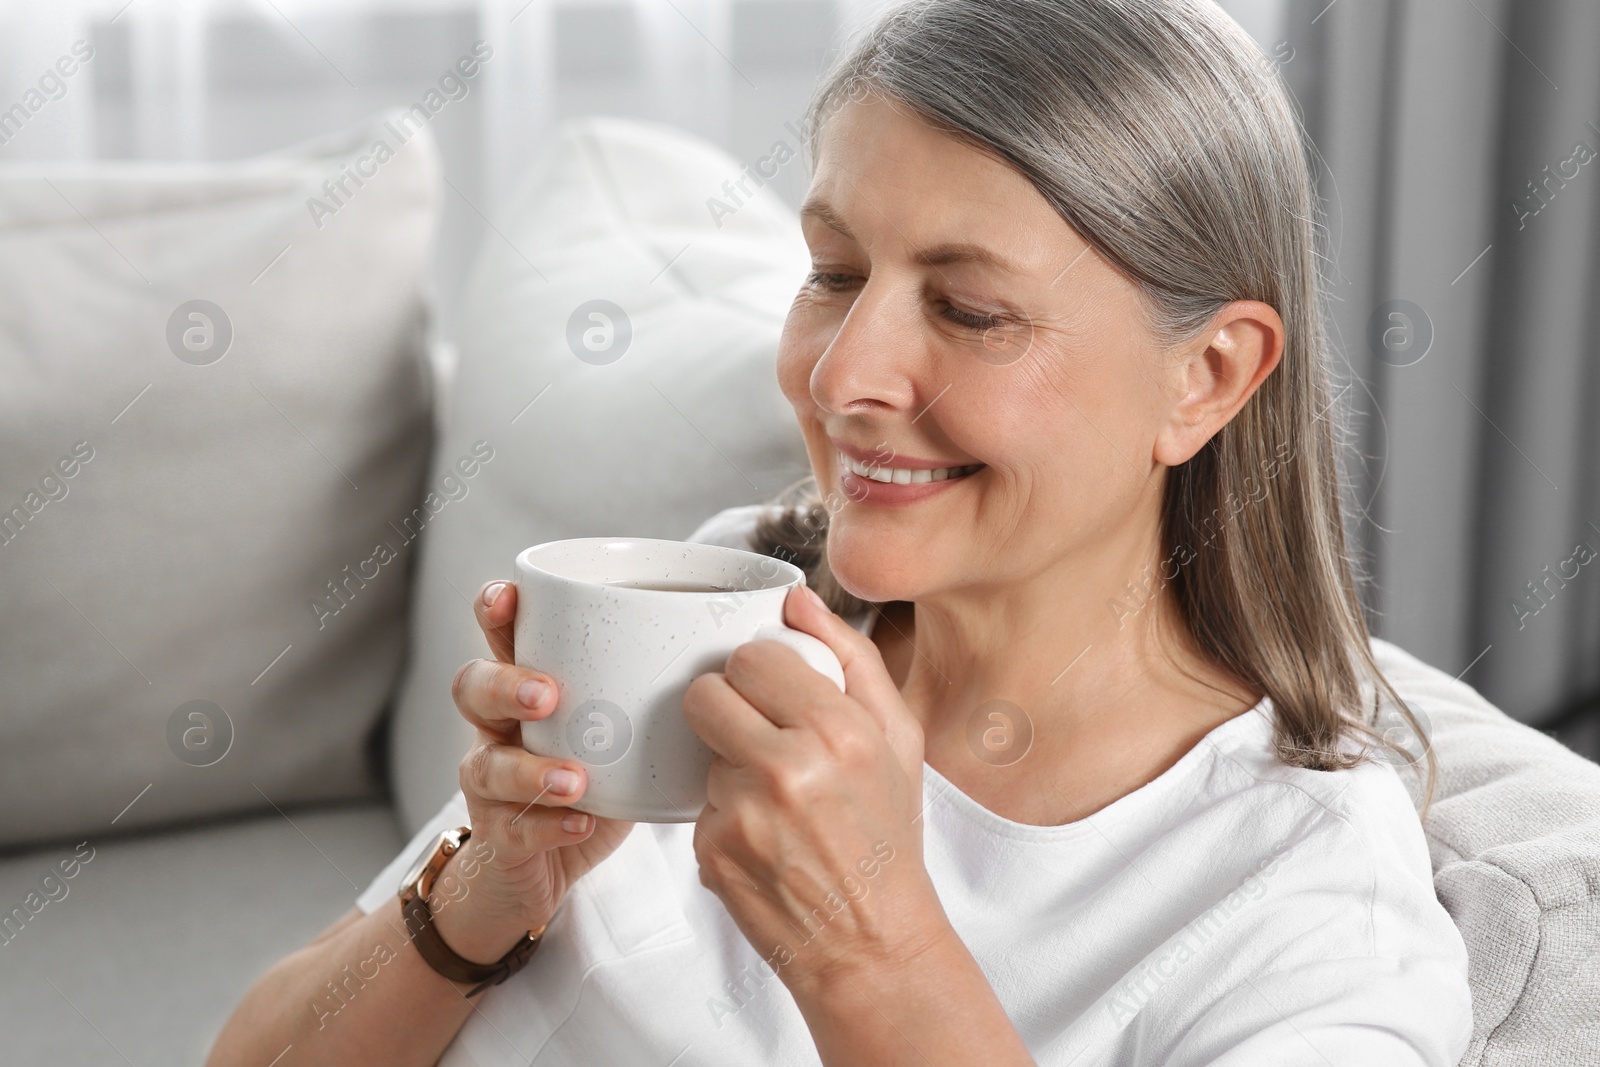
906, 475
865, 478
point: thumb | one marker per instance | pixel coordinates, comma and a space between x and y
866, 678
496, 611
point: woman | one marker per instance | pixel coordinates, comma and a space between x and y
1101, 788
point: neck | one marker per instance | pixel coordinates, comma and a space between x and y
1093, 651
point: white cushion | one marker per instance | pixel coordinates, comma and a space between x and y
210, 500
1514, 831
687, 421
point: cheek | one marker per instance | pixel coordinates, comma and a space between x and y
798, 352
1017, 419
1055, 431
794, 374
808, 330
1087, 441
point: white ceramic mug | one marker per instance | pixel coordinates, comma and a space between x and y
624, 624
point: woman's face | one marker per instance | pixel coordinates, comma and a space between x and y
954, 323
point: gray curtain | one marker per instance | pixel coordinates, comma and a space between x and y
1458, 145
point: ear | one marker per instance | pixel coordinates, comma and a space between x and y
1216, 374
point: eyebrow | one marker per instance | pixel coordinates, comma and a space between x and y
938, 256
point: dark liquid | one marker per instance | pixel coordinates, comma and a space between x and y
667, 585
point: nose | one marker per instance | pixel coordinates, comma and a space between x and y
870, 365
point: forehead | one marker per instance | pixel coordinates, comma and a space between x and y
883, 173
883, 141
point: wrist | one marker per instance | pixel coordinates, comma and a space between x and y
926, 947
469, 921
931, 995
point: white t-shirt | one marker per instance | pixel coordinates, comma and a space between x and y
1234, 911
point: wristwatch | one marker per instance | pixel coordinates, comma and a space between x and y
414, 893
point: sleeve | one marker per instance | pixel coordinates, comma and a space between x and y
1355, 963
387, 883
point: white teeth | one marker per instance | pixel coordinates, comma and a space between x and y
905, 475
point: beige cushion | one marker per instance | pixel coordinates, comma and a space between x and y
689, 420
1515, 836
210, 500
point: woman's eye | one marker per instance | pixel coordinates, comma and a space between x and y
831, 281
972, 320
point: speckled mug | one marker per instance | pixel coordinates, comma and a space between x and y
624, 655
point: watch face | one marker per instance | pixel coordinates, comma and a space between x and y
420, 864
408, 883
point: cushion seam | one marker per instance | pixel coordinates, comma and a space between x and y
1527, 972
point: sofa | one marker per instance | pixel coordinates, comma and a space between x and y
248, 496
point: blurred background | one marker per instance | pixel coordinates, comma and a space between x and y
1452, 138
1453, 141
160, 156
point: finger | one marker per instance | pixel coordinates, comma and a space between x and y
510, 774
726, 721
865, 676
496, 612
779, 685
533, 828
717, 869
498, 697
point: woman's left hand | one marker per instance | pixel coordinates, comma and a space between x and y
812, 836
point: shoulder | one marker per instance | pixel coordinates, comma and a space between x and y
1363, 814
1343, 934
1338, 857
732, 527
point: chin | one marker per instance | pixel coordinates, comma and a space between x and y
875, 567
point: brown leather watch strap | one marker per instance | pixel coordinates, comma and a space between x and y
443, 959
425, 935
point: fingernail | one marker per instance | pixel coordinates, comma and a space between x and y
561, 780
815, 599
530, 692
492, 592
574, 822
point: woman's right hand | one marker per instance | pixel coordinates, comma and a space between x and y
518, 803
